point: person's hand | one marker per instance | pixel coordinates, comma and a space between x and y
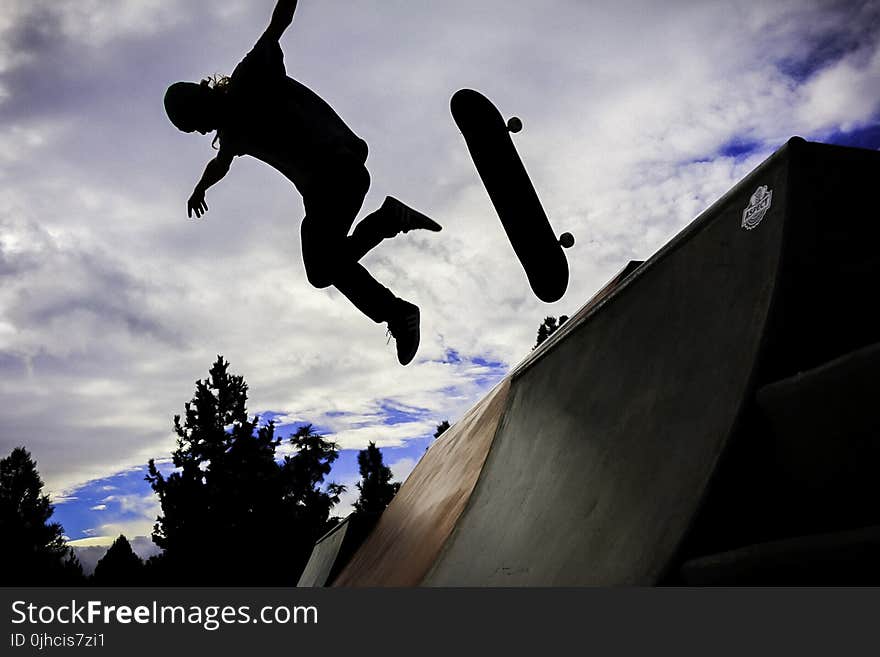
196, 203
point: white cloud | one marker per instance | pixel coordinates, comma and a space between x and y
844, 95
146, 505
402, 468
382, 435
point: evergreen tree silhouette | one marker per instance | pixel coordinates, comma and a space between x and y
376, 489
33, 551
231, 514
441, 428
120, 566
306, 504
548, 327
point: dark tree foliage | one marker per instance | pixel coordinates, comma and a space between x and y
33, 551
306, 503
376, 493
376, 489
71, 573
441, 428
120, 566
231, 513
439, 431
548, 327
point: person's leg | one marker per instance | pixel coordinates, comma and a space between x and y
330, 211
391, 219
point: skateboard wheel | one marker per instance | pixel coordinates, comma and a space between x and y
566, 240
514, 124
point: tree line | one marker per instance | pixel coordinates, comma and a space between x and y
232, 511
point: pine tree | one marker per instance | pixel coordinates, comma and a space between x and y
229, 508
33, 551
548, 327
376, 489
307, 502
119, 566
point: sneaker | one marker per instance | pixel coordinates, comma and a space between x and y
406, 219
404, 328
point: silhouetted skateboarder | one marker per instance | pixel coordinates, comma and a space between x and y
261, 112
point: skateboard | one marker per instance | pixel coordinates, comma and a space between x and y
512, 193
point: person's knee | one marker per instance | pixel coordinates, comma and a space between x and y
319, 272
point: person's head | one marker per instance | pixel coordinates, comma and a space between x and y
193, 107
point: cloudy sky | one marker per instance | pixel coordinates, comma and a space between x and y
638, 115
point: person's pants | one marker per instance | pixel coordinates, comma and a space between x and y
330, 255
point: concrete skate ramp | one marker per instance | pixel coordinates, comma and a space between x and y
415, 526
611, 435
589, 463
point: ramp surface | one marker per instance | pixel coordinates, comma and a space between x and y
324, 556
595, 461
611, 436
417, 523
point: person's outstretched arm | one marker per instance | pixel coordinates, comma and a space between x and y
214, 172
282, 17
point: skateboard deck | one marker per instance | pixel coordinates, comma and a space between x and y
512, 193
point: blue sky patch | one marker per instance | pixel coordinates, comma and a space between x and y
865, 137
825, 52
451, 356
737, 148
102, 501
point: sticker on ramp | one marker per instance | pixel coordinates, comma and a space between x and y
757, 207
